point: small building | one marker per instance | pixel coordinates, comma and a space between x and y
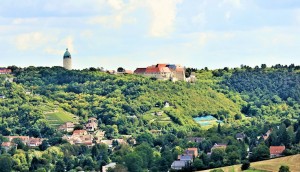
24, 139
196, 139
192, 151
108, 166
2, 96
5, 71
99, 135
160, 113
80, 132
266, 136
121, 141
187, 158
91, 127
178, 165
35, 142
67, 127
112, 72
166, 104
8, 145
109, 143
218, 146
92, 119
276, 151
240, 136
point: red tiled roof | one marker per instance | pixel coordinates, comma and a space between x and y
140, 70
5, 70
157, 70
78, 132
6, 144
276, 150
23, 138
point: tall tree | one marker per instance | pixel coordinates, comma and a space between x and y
5, 163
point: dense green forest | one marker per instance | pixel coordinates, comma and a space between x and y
248, 100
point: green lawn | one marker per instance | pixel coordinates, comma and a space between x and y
60, 117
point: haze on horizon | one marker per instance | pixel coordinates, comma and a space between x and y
138, 33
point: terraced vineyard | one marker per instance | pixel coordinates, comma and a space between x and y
59, 117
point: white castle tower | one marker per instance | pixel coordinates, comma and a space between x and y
67, 60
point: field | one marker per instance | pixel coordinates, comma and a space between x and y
269, 165
59, 117
163, 119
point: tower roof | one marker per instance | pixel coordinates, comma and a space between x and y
67, 54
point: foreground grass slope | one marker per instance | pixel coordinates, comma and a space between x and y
269, 165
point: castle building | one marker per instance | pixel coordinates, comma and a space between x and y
163, 72
67, 60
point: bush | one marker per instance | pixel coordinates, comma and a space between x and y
245, 166
284, 168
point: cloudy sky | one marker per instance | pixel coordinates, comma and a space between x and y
136, 33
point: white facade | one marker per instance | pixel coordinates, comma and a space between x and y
67, 63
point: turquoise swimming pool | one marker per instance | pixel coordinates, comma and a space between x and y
207, 120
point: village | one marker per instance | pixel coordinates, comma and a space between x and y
90, 135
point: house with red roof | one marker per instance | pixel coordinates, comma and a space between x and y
24, 139
35, 142
8, 145
79, 132
218, 146
67, 127
5, 71
92, 124
276, 151
192, 151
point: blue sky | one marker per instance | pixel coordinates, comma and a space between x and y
137, 33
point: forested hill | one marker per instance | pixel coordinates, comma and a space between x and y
268, 91
127, 104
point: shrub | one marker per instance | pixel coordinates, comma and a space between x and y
245, 166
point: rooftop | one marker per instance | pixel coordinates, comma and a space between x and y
67, 54
277, 149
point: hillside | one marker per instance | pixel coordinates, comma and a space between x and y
152, 119
116, 98
128, 102
268, 165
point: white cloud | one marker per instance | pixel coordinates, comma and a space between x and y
86, 34
31, 40
163, 16
118, 15
67, 42
200, 18
227, 15
21, 21
112, 21
116, 4
234, 3
49, 43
